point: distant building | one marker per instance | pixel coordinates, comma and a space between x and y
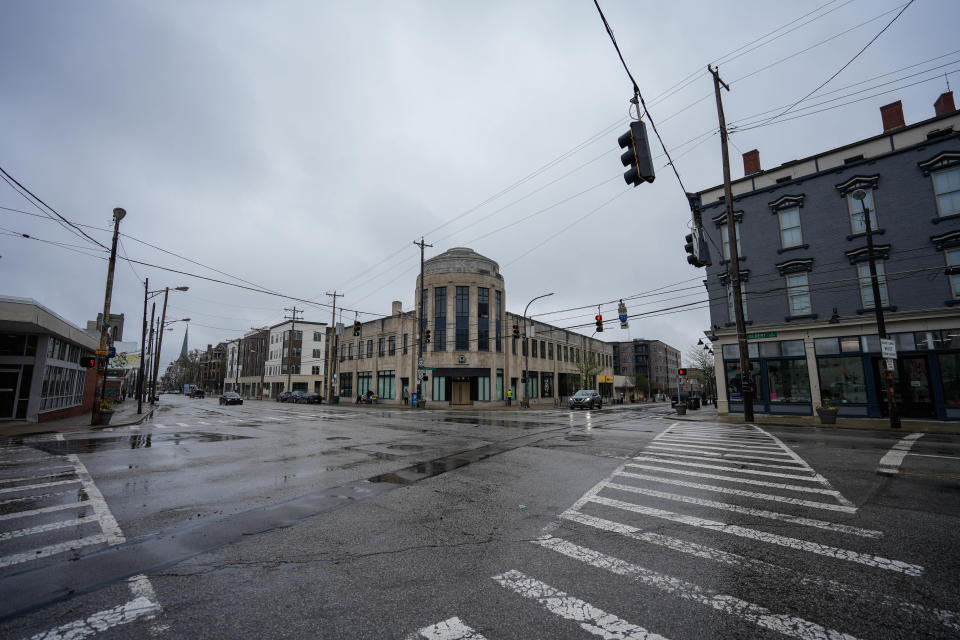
40, 374
655, 360
285, 357
94, 327
212, 368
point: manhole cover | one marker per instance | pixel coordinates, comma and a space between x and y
339, 438
406, 447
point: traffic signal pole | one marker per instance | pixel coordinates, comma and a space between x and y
746, 379
118, 214
143, 348
331, 346
420, 320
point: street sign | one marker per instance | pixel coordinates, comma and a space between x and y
339, 329
420, 363
891, 364
101, 352
755, 336
888, 348
531, 331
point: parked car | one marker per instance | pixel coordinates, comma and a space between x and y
586, 399
196, 393
231, 397
283, 396
310, 398
295, 396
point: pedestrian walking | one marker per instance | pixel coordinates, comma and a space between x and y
509, 397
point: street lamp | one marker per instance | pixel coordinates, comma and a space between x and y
860, 195
526, 363
163, 323
147, 294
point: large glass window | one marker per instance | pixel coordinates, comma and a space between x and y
61, 387
743, 299
946, 185
798, 293
725, 241
734, 382
440, 319
392, 345
439, 388
364, 382
790, 234
463, 319
483, 388
953, 260
547, 384
842, 380
385, 384
866, 286
857, 222
498, 296
483, 321
788, 381
950, 376
346, 385
499, 384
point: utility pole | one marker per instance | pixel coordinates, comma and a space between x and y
118, 214
153, 312
746, 377
331, 357
160, 328
420, 320
293, 326
143, 348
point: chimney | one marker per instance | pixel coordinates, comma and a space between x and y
892, 115
751, 162
944, 104
397, 307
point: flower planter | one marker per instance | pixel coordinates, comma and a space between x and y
827, 416
105, 416
681, 409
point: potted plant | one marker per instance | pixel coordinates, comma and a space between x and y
106, 412
827, 412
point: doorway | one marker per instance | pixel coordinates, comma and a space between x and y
460, 391
911, 387
9, 382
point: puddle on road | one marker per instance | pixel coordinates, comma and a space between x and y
406, 447
339, 438
421, 470
140, 441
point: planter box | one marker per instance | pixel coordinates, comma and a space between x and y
827, 416
105, 417
681, 409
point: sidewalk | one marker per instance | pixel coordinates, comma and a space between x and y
709, 414
124, 414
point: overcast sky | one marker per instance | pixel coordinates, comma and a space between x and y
303, 146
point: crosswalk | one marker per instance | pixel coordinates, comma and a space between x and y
703, 500
50, 509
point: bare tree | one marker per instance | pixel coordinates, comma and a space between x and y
703, 361
587, 370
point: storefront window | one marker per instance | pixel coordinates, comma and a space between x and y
547, 384
792, 348
734, 392
850, 344
950, 376
788, 381
825, 346
842, 380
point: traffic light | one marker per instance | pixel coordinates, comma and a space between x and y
681, 372
356, 327
88, 362
426, 336
516, 331
637, 155
599, 320
696, 247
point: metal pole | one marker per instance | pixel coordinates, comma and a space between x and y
143, 348
331, 359
420, 320
878, 308
118, 214
149, 386
746, 379
160, 328
526, 361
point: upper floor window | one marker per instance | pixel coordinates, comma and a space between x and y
725, 241
317, 336
743, 299
866, 284
857, 223
953, 260
790, 234
946, 186
392, 345
462, 309
798, 293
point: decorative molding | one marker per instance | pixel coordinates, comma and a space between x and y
890, 308
794, 248
795, 266
725, 276
938, 219
946, 240
877, 232
786, 202
721, 219
881, 252
806, 316
943, 160
867, 183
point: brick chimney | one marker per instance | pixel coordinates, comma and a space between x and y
892, 115
751, 162
397, 307
944, 104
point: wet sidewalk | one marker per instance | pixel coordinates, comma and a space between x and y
124, 414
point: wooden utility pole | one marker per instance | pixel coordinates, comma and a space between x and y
420, 320
118, 215
293, 332
331, 347
746, 377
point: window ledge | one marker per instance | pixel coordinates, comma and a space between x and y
939, 219
733, 324
794, 248
891, 308
875, 232
806, 316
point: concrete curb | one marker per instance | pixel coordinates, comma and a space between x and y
949, 428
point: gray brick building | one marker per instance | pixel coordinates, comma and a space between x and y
653, 359
812, 335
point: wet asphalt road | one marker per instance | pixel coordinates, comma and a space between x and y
293, 521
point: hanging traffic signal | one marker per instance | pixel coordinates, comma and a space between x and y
696, 247
599, 319
516, 331
681, 372
356, 328
426, 336
637, 155
88, 362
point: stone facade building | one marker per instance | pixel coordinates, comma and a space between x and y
655, 360
470, 355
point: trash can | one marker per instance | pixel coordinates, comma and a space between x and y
694, 403
335, 400
681, 409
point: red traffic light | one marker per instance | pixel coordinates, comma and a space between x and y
681, 372
599, 320
88, 362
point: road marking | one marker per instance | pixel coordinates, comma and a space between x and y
759, 483
753, 445
723, 458
206, 424
890, 463
771, 538
33, 512
590, 618
732, 456
52, 550
49, 475
42, 485
761, 616
760, 513
940, 616
759, 455
182, 425
38, 496
930, 455
738, 492
140, 607
51, 526
159, 426
450, 629
717, 467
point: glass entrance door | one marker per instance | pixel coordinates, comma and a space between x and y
9, 380
911, 387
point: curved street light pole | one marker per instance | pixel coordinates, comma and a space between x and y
163, 323
526, 362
